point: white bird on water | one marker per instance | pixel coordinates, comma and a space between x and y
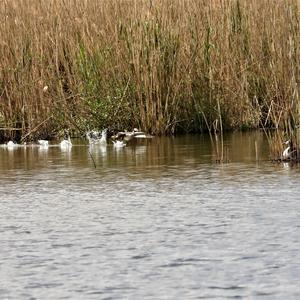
11, 145
43, 143
66, 144
119, 144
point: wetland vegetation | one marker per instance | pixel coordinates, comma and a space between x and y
163, 66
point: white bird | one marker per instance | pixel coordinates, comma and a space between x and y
66, 144
119, 144
43, 143
287, 151
11, 145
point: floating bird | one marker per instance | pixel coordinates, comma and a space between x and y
66, 144
11, 145
140, 134
129, 135
43, 143
119, 144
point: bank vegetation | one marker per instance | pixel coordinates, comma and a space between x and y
164, 66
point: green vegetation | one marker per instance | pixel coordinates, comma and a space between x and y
162, 65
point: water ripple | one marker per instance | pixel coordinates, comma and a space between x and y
165, 225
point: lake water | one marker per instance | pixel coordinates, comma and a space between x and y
159, 219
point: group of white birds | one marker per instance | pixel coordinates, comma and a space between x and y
65, 144
94, 137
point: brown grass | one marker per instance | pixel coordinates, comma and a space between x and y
161, 65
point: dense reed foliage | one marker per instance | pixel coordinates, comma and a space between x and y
161, 65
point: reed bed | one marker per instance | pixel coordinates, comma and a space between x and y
164, 66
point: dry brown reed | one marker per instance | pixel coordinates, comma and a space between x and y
161, 65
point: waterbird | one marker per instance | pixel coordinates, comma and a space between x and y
119, 144
43, 143
66, 143
129, 135
11, 145
286, 154
140, 134
291, 151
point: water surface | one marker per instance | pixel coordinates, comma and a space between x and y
159, 219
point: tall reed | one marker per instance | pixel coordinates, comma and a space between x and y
161, 65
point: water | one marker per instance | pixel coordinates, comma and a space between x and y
155, 220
